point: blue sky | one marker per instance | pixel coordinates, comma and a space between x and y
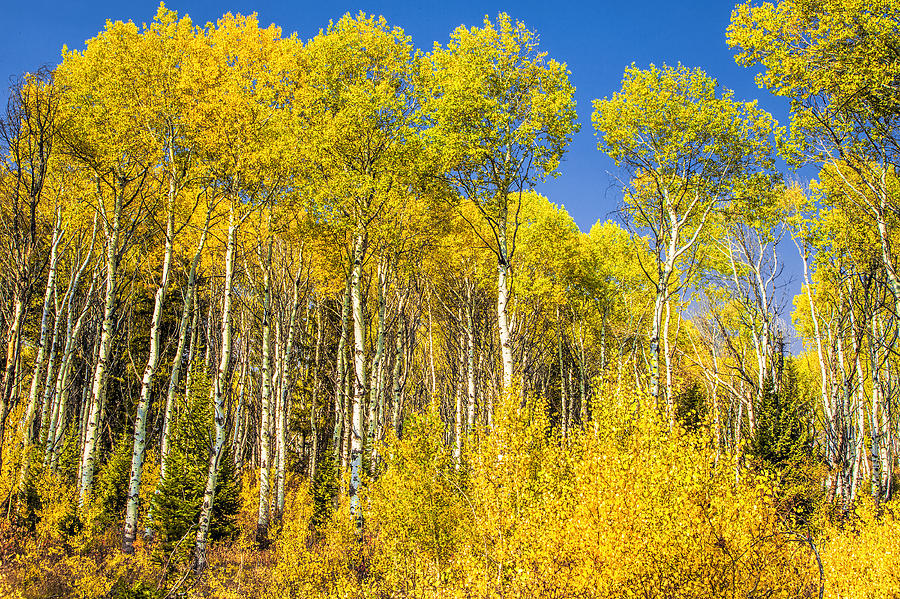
597, 40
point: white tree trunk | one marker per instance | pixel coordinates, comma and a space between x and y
27, 425
286, 378
397, 400
186, 331
376, 397
218, 393
460, 384
98, 387
470, 364
55, 428
262, 522
359, 387
8, 394
140, 420
313, 405
503, 323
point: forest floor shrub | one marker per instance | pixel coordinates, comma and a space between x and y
633, 511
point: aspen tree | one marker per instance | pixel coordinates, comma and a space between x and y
690, 149
262, 524
833, 59
218, 393
242, 72
362, 140
286, 380
313, 404
500, 115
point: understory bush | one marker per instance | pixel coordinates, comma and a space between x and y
627, 509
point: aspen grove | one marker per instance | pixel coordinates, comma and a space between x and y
287, 318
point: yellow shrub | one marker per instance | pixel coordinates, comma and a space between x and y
862, 560
330, 566
416, 509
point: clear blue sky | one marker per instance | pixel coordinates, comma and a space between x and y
597, 40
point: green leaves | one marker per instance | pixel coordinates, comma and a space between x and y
688, 148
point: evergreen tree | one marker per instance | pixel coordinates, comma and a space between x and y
690, 406
782, 443
111, 487
782, 438
176, 507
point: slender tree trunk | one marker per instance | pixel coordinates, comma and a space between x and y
187, 330
667, 352
582, 379
859, 403
140, 420
313, 405
376, 397
347, 411
281, 410
655, 330
218, 393
340, 386
397, 403
55, 429
48, 398
460, 384
665, 269
98, 389
262, 522
27, 426
502, 319
817, 332
13, 347
208, 349
563, 399
87, 389
431, 349
470, 363
360, 386
192, 347
844, 425
243, 417
285, 386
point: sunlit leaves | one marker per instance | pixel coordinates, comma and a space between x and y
500, 112
837, 62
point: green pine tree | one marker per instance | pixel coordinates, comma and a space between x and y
782, 437
690, 407
176, 507
782, 443
111, 488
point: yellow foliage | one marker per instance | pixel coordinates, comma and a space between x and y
625, 509
862, 561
